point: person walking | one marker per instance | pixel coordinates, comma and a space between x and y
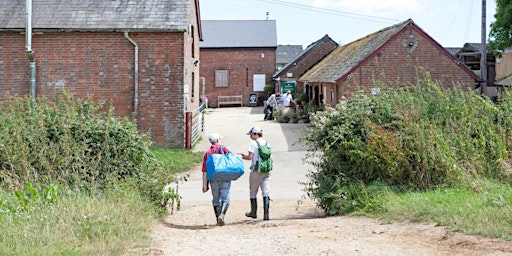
220, 189
257, 179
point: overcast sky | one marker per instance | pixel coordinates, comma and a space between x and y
302, 22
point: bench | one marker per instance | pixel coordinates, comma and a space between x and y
230, 100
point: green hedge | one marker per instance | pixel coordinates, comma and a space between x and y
419, 137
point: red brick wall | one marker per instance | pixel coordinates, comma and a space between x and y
102, 65
399, 63
242, 64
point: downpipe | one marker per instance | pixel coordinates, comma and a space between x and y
28, 49
136, 76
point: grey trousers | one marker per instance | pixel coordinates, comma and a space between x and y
258, 180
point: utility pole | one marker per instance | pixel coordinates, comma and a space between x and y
483, 53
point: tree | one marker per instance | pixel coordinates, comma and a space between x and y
500, 36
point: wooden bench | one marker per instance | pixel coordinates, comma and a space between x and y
230, 100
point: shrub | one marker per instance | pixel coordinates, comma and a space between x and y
417, 137
75, 143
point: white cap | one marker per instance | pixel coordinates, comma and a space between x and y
214, 137
254, 130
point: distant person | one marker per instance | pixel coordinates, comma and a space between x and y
257, 179
271, 105
220, 189
287, 99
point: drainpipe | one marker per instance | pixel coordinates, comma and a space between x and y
28, 48
136, 76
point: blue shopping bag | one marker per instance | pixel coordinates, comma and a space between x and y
224, 167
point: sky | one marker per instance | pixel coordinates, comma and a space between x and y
452, 23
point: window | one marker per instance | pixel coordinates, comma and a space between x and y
221, 78
193, 42
193, 86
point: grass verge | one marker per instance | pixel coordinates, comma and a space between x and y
106, 223
484, 209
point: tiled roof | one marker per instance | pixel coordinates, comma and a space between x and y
303, 54
453, 50
238, 33
346, 57
505, 82
133, 15
286, 53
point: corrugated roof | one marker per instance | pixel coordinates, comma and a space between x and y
346, 57
98, 14
286, 53
238, 33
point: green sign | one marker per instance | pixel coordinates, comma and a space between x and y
285, 86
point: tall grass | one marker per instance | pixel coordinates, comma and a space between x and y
77, 224
77, 180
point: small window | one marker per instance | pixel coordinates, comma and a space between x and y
193, 41
221, 78
193, 86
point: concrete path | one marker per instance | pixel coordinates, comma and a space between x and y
233, 124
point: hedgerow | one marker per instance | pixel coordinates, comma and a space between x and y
78, 144
419, 137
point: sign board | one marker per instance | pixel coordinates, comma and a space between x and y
253, 97
288, 85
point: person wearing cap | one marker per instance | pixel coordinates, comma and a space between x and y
257, 179
220, 189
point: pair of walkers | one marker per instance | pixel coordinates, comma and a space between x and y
221, 189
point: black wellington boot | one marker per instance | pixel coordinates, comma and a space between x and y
254, 208
216, 209
266, 205
223, 209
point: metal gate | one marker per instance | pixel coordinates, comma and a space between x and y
195, 126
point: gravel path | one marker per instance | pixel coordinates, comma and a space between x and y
296, 227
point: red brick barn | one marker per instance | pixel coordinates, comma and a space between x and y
141, 56
238, 58
291, 72
399, 54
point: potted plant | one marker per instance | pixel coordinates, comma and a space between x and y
278, 114
295, 118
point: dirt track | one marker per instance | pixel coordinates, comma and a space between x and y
293, 229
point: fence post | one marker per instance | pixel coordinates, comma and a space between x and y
188, 129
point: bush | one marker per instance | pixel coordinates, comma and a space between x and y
303, 97
80, 145
418, 137
269, 89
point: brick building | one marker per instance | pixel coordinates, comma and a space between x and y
238, 57
140, 56
399, 54
291, 72
286, 53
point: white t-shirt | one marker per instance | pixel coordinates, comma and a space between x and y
253, 148
287, 99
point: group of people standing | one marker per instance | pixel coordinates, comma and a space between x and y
276, 101
221, 189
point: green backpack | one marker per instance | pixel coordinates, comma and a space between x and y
264, 163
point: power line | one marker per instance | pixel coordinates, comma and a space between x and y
468, 23
329, 11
